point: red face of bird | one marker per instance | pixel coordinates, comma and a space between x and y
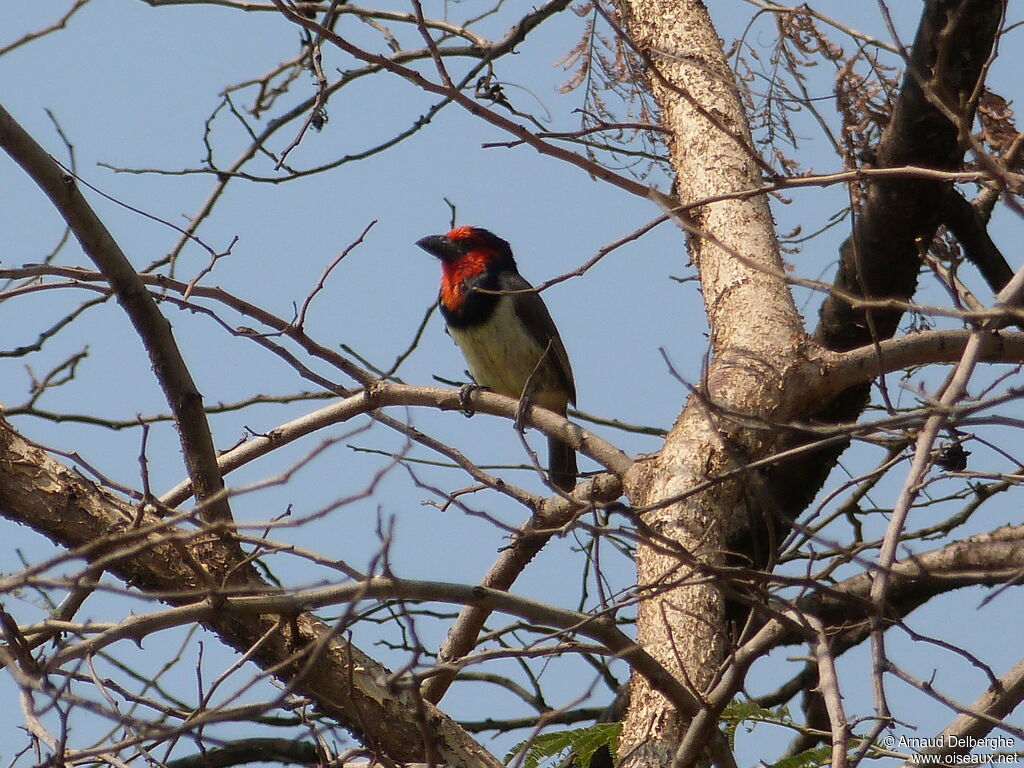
466, 252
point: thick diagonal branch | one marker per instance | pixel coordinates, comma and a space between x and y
187, 567
169, 365
899, 217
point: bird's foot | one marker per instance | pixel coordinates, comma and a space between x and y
464, 393
524, 404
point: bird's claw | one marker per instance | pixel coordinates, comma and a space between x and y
520, 420
464, 392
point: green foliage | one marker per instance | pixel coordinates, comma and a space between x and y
582, 742
809, 758
748, 713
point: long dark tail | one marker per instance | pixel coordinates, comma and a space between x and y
562, 463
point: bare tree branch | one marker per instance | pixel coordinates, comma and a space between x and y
171, 371
304, 652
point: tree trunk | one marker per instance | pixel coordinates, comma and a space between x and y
756, 338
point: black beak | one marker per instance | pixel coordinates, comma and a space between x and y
439, 246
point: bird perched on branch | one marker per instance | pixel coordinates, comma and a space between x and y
504, 330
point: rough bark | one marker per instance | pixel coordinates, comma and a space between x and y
899, 216
191, 567
756, 337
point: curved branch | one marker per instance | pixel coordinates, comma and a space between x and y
988, 559
862, 365
489, 115
385, 394
376, 394
845, 610
346, 683
526, 543
273, 601
994, 704
172, 373
256, 750
35, 35
881, 258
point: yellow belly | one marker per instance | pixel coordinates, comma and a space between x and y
502, 356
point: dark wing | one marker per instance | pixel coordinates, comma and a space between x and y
534, 313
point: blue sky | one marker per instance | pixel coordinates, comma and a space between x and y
131, 86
